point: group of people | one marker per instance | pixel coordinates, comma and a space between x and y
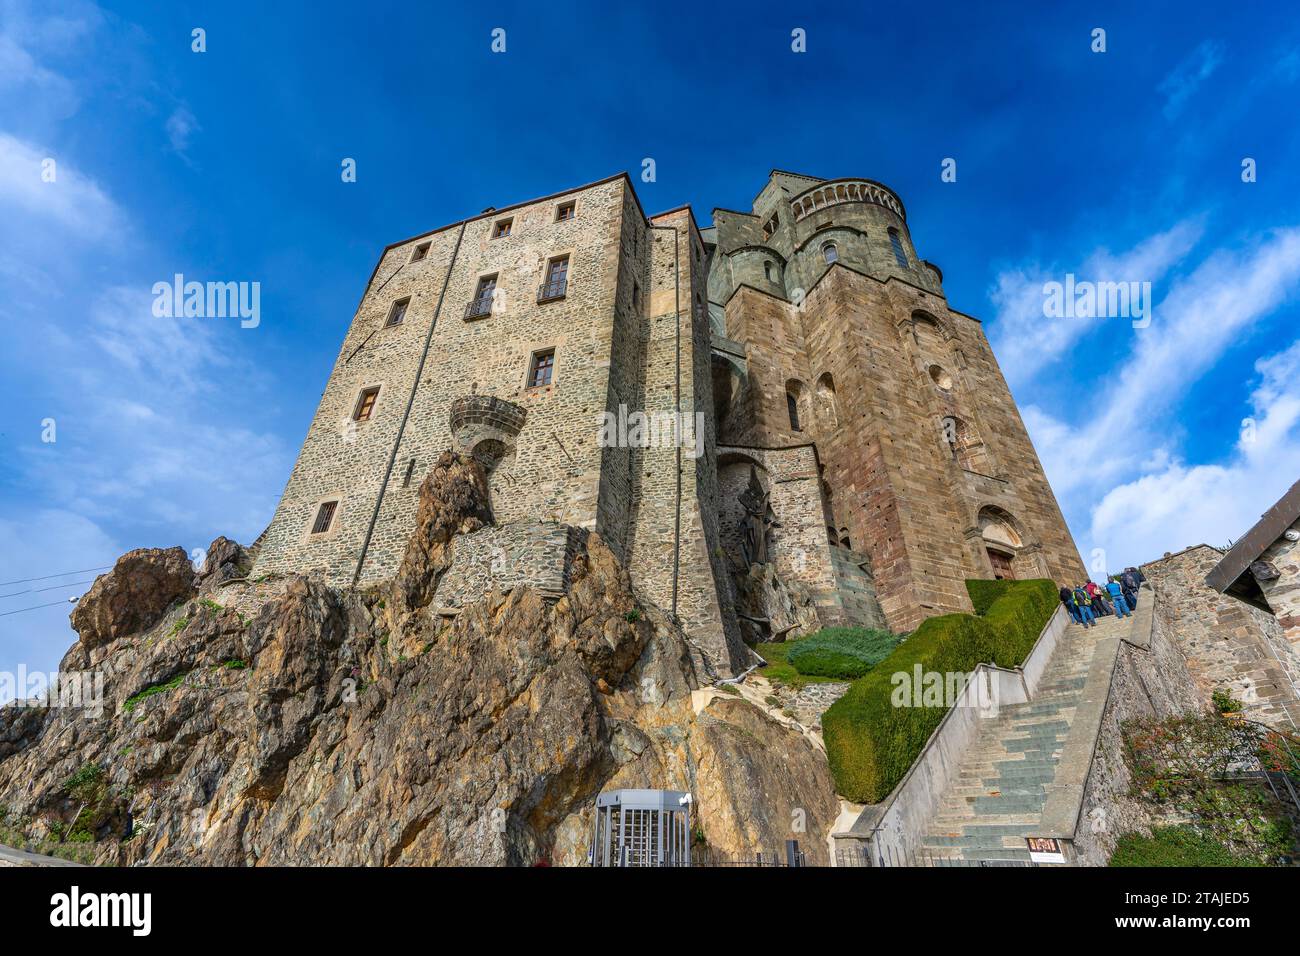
1089, 601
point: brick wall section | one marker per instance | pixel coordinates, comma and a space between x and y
1227, 643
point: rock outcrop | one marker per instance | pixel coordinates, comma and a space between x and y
142, 585
363, 727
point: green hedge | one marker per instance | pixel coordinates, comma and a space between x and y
984, 593
843, 652
1175, 846
870, 743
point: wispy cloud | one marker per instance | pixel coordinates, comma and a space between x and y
70, 200
181, 127
1186, 78
1027, 341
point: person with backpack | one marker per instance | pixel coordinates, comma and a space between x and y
1085, 606
1067, 598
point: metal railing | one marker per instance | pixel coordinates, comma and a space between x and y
479, 308
550, 291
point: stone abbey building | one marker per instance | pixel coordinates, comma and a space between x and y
777, 422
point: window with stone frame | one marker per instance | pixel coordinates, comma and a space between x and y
792, 408
565, 211
324, 517
557, 279
541, 368
896, 241
420, 252
365, 406
830, 253
501, 228
397, 314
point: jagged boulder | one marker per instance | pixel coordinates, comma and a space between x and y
225, 560
142, 585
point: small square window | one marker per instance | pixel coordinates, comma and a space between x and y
397, 314
324, 517
420, 252
365, 404
564, 212
502, 228
543, 364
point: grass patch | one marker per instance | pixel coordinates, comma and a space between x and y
1175, 846
870, 742
135, 700
844, 653
212, 605
779, 670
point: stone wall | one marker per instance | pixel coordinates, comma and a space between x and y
1227, 644
1149, 680
1283, 591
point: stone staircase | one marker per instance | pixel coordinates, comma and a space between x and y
1005, 779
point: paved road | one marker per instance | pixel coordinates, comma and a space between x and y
11, 857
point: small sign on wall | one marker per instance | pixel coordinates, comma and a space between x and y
1045, 850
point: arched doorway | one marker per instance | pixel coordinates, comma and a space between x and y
1001, 541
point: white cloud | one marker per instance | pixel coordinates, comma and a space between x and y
1026, 341
1181, 505
73, 201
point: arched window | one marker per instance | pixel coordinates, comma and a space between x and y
792, 407
767, 270
896, 241
967, 446
826, 399
829, 253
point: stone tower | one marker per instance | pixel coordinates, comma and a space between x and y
837, 361
841, 446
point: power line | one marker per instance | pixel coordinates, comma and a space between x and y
36, 607
46, 577
53, 587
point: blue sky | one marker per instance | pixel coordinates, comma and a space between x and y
225, 165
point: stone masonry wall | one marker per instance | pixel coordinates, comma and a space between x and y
1283, 592
1227, 644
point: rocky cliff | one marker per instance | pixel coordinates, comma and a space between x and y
252, 722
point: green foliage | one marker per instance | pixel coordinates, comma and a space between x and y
841, 652
86, 784
134, 701
1181, 845
1224, 702
728, 689
179, 626
779, 670
984, 593
212, 605
870, 742
633, 615
1190, 766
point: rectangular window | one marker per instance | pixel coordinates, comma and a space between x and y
481, 304
636, 295
501, 229
543, 365
564, 212
397, 314
557, 279
897, 243
420, 252
365, 404
324, 517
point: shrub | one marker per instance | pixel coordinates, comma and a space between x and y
1175, 846
870, 743
843, 652
984, 593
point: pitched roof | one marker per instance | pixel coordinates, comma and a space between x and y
1232, 574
